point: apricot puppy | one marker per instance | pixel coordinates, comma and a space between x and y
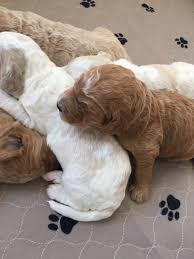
147, 123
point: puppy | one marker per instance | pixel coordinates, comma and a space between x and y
61, 42
95, 168
147, 123
24, 154
177, 76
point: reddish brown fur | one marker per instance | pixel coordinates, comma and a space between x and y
147, 123
24, 154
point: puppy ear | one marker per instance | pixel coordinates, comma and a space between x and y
11, 144
68, 104
71, 109
12, 71
10, 147
112, 123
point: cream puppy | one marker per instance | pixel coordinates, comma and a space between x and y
178, 76
95, 167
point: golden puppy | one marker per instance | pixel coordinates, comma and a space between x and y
24, 154
147, 123
61, 42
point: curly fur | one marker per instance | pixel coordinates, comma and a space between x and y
61, 42
12, 71
148, 123
91, 162
24, 154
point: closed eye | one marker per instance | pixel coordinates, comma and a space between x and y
82, 107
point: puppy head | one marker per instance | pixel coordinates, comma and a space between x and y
71, 108
100, 98
27, 147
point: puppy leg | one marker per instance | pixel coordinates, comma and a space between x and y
56, 192
53, 176
144, 149
143, 177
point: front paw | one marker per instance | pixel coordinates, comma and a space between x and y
140, 194
52, 191
53, 176
57, 192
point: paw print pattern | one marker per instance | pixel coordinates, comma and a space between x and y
88, 3
66, 224
121, 38
182, 42
148, 8
169, 206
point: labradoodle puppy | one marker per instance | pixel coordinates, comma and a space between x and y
61, 42
147, 123
177, 76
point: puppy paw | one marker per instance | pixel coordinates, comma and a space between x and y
54, 176
57, 192
52, 191
139, 194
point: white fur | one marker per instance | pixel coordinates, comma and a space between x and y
178, 76
95, 167
82, 64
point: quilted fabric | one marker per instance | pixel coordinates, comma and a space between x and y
152, 32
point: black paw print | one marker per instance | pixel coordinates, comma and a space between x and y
121, 38
66, 224
148, 8
182, 42
169, 206
88, 3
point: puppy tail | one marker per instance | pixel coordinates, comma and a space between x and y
83, 216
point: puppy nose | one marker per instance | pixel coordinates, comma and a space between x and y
59, 106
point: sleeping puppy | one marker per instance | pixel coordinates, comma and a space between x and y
61, 42
24, 154
177, 76
148, 123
